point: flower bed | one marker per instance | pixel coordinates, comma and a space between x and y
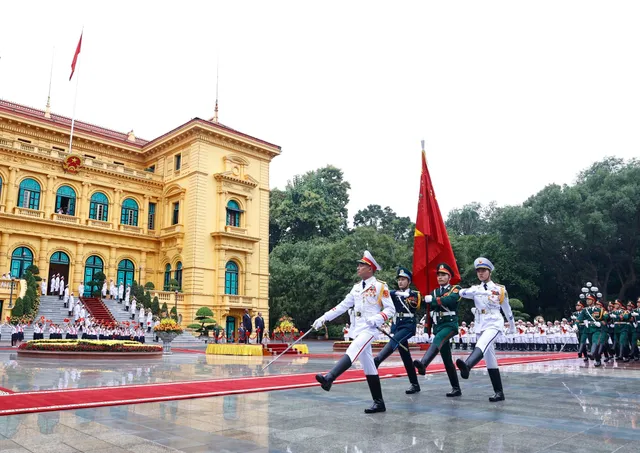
89, 346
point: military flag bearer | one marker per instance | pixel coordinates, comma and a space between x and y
444, 303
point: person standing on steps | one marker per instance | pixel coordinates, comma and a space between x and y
444, 303
406, 303
489, 298
373, 306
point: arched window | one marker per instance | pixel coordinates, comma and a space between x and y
59, 258
99, 207
21, 259
66, 201
167, 277
93, 265
233, 213
231, 278
178, 275
126, 273
29, 194
129, 215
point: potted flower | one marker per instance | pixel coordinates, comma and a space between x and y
167, 331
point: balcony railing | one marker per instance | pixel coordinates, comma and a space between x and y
177, 228
66, 218
235, 230
168, 297
86, 161
28, 212
130, 228
99, 224
237, 301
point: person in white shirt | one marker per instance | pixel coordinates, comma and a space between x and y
104, 290
81, 289
113, 292
61, 287
56, 286
372, 302
141, 317
120, 293
52, 285
72, 302
149, 319
489, 298
66, 296
43, 287
127, 295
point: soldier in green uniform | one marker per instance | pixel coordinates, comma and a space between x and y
586, 319
444, 302
577, 324
621, 331
592, 319
636, 327
600, 336
608, 350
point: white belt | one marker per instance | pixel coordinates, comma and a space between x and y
489, 311
404, 315
446, 313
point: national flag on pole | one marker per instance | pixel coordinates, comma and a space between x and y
431, 244
75, 57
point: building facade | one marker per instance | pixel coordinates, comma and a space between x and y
191, 205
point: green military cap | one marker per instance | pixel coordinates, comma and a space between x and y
445, 269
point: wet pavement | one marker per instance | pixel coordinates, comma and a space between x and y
559, 406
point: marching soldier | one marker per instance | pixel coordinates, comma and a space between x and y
444, 302
406, 303
489, 298
620, 318
591, 317
373, 306
636, 330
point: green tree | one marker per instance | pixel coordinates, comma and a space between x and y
149, 286
385, 221
17, 310
204, 317
313, 205
155, 306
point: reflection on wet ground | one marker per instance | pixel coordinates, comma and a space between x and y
560, 406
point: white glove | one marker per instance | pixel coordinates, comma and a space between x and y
574, 317
597, 324
613, 316
586, 323
373, 321
318, 323
428, 299
473, 310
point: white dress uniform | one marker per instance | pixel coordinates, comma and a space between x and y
81, 290
370, 300
43, 287
489, 298
104, 290
52, 283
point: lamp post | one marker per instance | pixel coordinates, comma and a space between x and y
11, 293
176, 305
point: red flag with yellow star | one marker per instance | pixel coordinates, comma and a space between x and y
431, 244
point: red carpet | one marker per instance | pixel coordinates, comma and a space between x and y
98, 310
53, 400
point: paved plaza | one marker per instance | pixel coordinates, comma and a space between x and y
557, 406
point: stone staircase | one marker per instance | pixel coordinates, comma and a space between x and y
51, 308
117, 310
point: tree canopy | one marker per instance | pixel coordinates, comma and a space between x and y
544, 249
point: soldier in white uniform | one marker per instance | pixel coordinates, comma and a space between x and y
373, 306
488, 298
81, 289
43, 287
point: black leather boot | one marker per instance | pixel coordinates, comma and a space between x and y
421, 365
413, 388
327, 380
465, 365
494, 374
453, 380
376, 392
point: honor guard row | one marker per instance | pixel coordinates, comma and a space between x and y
372, 305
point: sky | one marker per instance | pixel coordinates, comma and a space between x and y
509, 96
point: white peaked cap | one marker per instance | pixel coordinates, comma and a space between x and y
367, 258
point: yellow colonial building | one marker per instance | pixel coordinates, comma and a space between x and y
191, 205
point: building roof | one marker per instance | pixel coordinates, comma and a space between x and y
92, 129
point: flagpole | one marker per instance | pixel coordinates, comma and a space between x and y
47, 111
75, 101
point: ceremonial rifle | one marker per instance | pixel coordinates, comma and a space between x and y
290, 346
